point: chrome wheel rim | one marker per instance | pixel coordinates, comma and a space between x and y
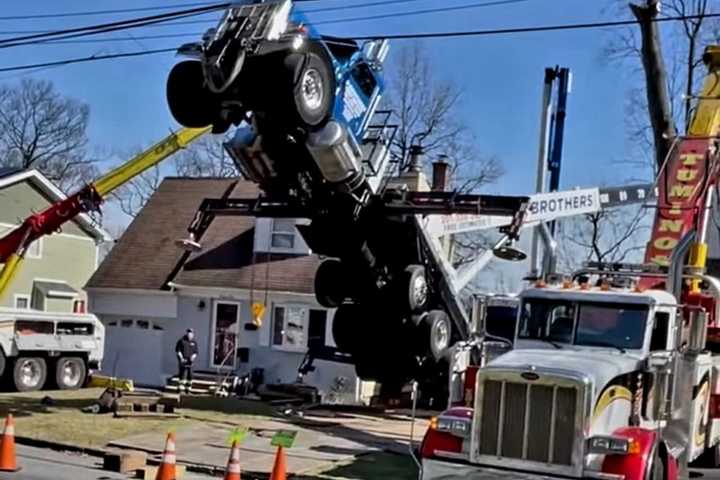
441, 335
70, 374
30, 373
419, 290
312, 89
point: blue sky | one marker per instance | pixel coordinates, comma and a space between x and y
501, 76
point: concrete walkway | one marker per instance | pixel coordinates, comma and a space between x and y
324, 439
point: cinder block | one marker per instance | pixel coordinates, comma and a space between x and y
150, 472
124, 462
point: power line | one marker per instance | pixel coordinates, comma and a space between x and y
197, 22
107, 27
545, 28
422, 12
467, 33
324, 22
112, 12
91, 58
103, 12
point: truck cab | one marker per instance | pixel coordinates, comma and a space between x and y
601, 382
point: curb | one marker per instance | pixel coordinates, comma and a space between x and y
65, 447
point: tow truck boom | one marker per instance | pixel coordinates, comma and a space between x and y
14, 244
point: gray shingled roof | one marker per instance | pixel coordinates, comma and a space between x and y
146, 256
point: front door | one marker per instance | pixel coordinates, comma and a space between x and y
226, 325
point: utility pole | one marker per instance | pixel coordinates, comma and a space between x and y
552, 135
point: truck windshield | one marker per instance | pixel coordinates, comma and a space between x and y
615, 325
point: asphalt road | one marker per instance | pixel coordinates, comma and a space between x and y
40, 464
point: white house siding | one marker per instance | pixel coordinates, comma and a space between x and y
280, 365
171, 313
133, 351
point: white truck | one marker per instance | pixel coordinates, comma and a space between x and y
43, 349
602, 382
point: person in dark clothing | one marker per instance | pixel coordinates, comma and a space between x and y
187, 351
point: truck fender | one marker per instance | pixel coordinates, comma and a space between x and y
633, 466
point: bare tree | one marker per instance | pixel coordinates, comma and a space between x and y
613, 235
428, 115
39, 128
133, 196
204, 158
666, 59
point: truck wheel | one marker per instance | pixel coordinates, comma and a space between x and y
415, 288
345, 327
329, 284
313, 88
29, 374
657, 469
70, 373
439, 333
3, 362
190, 102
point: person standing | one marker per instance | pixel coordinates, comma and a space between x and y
186, 350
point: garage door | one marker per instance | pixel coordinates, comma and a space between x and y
134, 349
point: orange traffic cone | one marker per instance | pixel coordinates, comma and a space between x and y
232, 472
279, 468
8, 460
167, 467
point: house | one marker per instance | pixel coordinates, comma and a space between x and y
57, 266
148, 292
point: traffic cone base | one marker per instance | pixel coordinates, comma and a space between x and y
8, 459
167, 467
279, 471
232, 472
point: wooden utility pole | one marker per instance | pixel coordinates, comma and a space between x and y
658, 98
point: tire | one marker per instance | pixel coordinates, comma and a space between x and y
414, 288
329, 284
438, 331
311, 84
345, 327
657, 469
3, 363
29, 373
188, 98
70, 373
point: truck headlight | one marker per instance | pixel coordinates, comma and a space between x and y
457, 426
605, 445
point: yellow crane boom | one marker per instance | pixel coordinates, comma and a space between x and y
14, 244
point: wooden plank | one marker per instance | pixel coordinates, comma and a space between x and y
124, 462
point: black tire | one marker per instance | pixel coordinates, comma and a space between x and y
330, 284
438, 331
657, 469
70, 373
309, 107
346, 325
414, 288
188, 98
3, 363
29, 374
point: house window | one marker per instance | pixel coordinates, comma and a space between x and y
296, 327
283, 233
22, 302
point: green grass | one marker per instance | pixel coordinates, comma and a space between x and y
64, 422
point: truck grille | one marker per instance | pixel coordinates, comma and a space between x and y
528, 421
